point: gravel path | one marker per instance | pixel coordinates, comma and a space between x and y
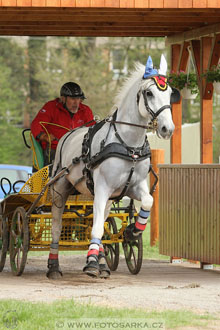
159, 285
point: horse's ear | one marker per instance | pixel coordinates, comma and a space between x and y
175, 96
149, 69
163, 66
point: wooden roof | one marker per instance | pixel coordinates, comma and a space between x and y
157, 18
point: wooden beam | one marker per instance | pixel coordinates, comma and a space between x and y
92, 27
193, 34
215, 51
80, 33
184, 57
24, 3
195, 48
175, 143
151, 25
28, 14
157, 157
206, 106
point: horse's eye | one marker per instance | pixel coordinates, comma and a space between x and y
149, 93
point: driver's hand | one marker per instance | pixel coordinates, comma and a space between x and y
44, 137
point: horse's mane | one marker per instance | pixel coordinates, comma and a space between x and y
132, 79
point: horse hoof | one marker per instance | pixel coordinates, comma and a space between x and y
130, 234
104, 271
92, 269
54, 272
104, 274
54, 275
92, 272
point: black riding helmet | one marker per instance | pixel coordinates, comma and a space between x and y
72, 89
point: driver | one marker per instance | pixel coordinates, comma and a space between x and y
59, 116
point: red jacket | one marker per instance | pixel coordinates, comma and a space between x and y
54, 112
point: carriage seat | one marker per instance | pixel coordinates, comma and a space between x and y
38, 157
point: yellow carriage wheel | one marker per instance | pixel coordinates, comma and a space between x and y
19, 241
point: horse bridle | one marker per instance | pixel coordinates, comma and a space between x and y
153, 114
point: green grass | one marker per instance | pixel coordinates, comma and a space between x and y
151, 252
34, 316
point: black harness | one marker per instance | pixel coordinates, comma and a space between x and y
114, 149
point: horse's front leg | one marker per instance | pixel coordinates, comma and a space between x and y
103, 267
61, 190
95, 256
137, 228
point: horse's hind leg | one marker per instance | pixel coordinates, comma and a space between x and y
61, 190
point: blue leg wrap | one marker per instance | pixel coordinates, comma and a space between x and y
144, 214
95, 241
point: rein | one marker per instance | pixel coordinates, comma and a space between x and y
152, 125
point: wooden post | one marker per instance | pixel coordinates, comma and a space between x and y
206, 105
157, 157
179, 60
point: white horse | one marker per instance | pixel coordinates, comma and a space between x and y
145, 98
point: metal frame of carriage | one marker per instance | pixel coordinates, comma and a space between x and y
26, 220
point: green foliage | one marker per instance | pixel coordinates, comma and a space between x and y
12, 148
13, 80
36, 53
98, 65
182, 79
213, 74
151, 252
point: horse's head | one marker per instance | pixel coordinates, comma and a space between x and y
155, 97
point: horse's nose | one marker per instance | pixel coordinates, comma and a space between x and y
166, 131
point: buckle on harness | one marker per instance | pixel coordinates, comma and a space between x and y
135, 154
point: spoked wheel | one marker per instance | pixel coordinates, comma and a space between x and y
133, 251
112, 250
4, 238
19, 241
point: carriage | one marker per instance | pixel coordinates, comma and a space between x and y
83, 159
25, 225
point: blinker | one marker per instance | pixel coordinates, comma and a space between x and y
175, 96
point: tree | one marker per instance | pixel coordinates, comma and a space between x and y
13, 81
89, 62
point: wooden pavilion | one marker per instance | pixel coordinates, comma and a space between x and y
184, 23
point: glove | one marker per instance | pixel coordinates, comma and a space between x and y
44, 137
